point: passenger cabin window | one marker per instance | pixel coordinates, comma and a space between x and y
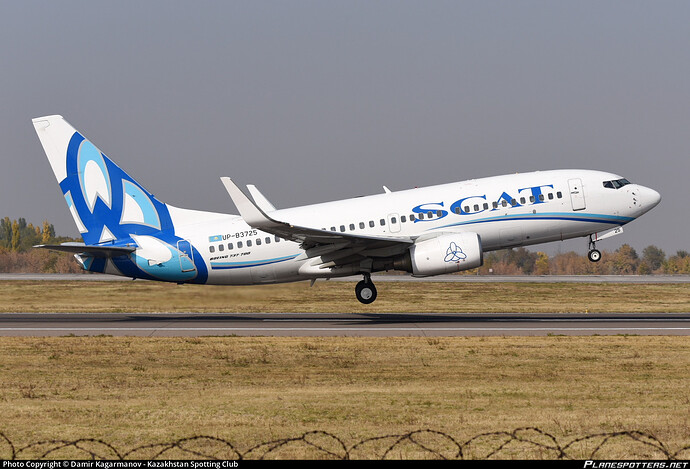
403, 219
371, 223
361, 225
221, 247
239, 244
229, 246
211, 249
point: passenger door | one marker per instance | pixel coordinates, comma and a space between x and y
186, 256
577, 194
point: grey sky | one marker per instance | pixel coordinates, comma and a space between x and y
316, 101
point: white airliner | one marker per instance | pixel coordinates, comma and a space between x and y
424, 231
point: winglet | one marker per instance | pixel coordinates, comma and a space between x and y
259, 199
252, 215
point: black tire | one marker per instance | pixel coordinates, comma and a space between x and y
365, 292
594, 255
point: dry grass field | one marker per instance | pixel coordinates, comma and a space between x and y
336, 297
136, 391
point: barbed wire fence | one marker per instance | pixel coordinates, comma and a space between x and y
525, 442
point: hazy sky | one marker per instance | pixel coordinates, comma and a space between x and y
316, 101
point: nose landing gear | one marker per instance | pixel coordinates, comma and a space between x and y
365, 290
594, 255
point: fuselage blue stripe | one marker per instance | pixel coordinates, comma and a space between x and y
241, 265
585, 217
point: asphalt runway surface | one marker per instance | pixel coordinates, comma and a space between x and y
355, 325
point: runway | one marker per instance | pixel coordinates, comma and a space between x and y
356, 325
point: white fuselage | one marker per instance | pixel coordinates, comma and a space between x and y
505, 211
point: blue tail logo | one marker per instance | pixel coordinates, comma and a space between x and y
106, 202
110, 207
113, 210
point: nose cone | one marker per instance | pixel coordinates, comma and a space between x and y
648, 199
651, 197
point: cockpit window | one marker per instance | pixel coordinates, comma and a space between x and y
617, 184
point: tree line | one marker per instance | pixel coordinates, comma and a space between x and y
623, 261
17, 256
17, 237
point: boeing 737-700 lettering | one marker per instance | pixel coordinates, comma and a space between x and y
423, 231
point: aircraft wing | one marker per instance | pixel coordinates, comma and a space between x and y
93, 251
308, 237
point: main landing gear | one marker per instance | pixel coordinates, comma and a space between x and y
365, 290
593, 255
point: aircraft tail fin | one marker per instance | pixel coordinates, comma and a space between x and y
106, 203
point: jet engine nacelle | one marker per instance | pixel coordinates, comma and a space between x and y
446, 254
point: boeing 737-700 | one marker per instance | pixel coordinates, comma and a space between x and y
423, 231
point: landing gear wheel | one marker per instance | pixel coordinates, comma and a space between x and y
365, 292
594, 255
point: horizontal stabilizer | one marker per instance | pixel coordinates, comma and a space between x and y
92, 251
